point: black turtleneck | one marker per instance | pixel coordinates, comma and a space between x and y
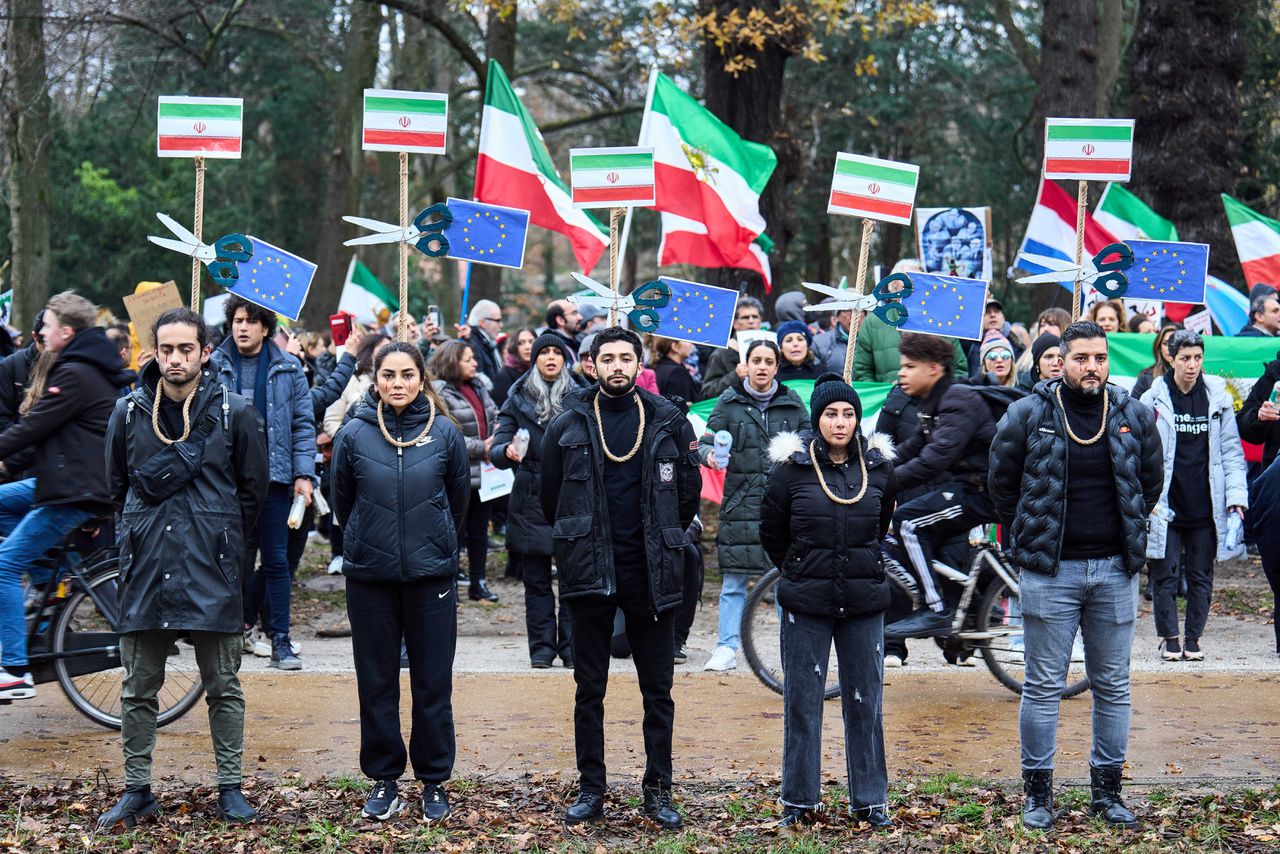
1092, 527
624, 482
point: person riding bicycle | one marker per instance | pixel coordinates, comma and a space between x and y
187, 466
950, 449
60, 441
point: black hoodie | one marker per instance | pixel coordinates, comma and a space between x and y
63, 437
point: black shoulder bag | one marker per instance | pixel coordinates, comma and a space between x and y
176, 465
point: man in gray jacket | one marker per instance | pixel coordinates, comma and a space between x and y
187, 469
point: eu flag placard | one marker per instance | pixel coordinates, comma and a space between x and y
274, 279
945, 305
1165, 271
486, 234
699, 313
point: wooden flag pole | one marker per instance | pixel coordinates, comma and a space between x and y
855, 318
197, 229
614, 215
402, 322
1082, 199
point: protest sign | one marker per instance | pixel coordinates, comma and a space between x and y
145, 307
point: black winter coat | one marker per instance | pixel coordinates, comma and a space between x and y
1029, 467
954, 438
829, 553
14, 371
505, 379
63, 437
400, 510
465, 417
1264, 433
180, 560
573, 489
674, 380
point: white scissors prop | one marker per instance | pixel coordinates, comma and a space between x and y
1105, 275
640, 305
220, 257
881, 302
426, 232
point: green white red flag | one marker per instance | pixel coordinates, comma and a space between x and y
199, 127
1088, 149
1257, 243
612, 177
1128, 217
514, 169
872, 188
399, 120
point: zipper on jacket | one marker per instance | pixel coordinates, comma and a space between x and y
404, 570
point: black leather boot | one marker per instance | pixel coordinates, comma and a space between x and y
479, 590
1037, 811
660, 810
232, 806
133, 805
588, 807
793, 817
1104, 783
877, 817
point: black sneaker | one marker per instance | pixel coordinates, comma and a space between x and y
132, 807
384, 801
1170, 649
435, 804
233, 806
1191, 650
682, 655
282, 655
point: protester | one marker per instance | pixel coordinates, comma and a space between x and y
752, 411
1259, 417
1160, 353
993, 320
515, 361
821, 520
594, 318
484, 325
790, 306
621, 547
1264, 501
15, 370
468, 403
401, 476
181, 543
1143, 324
996, 355
1075, 472
60, 441
1053, 320
1264, 317
535, 399
1108, 314
795, 342
667, 356
585, 368
564, 319
1202, 457
950, 451
249, 363
1045, 362
725, 366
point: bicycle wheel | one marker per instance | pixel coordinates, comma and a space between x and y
92, 682
761, 632
1001, 617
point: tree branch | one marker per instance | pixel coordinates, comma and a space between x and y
1022, 48
565, 124
451, 35
211, 43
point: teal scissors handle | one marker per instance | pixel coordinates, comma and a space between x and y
432, 222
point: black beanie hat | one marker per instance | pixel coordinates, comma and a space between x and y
1047, 341
831, 388
549, 339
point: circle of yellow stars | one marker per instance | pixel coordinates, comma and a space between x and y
476, 217
259, 261
930, 291
1151, 286
692, 297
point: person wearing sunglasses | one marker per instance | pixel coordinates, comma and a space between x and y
997, 361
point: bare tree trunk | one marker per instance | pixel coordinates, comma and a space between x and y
1188, 135
1110, 48
30, 181
344, 166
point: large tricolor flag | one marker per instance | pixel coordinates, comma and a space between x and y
708, 183
398, 120
199, 127
514, 169
1257, 243
873, 188
1051, 231
366, 297
1088, 149
1128, 217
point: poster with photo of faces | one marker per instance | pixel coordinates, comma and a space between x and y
955, 241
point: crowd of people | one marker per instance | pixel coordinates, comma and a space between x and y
216, 450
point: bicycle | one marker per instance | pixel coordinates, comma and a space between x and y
73, 638
992, 629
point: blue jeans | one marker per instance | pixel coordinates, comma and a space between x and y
268, 590
733, 600
1101, 598
806, 648
30, 532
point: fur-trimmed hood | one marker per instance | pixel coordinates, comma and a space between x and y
794, 448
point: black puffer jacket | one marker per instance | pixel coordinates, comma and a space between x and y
829, 553
14, 371
63, 438
1029, 468
180, 560
400, 510
1252, 429
955, 436
573, 495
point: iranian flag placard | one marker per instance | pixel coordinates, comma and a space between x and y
873, 188
1257, 242
397, 120
1088, 149
612, 177
199, 127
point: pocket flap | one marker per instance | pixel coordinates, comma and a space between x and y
569, 527
674, 538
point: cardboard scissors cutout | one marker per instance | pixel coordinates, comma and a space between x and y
221, 257
426, 233
1105, 275
882, 302
641, 305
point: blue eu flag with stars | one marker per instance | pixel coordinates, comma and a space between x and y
486, 234
274, 279
699, 313
1165, 271
945, 305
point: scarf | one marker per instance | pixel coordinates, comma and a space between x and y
511, 360
259, 382
761, 398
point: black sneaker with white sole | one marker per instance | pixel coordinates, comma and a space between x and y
435, 804
384, 801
